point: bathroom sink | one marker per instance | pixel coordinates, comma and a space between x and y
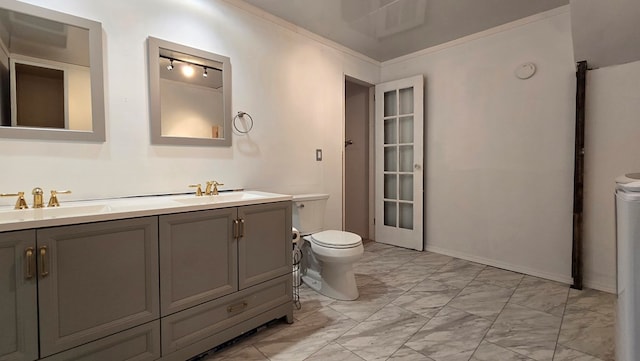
126, 207
19, 215
227, 197
140, 203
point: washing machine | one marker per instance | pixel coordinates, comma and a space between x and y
628, 267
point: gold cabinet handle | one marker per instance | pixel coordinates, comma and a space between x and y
237, 307
236, 228
44, 271
241, 228
29, 263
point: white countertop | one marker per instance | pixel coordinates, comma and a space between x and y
120, 208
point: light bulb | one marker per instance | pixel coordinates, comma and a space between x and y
170, 66
204, 73
187, 70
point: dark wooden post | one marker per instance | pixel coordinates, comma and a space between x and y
578, 175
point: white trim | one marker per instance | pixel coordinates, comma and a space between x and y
343, 153
482, 34
600, 284
256, 11
504, 265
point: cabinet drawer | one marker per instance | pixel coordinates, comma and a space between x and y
191, 325
140, 343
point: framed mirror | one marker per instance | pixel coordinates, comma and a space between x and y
51, 76
189, 95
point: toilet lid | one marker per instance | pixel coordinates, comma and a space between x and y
336, 239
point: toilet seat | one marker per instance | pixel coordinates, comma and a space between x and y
336, 239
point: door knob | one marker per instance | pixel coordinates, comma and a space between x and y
417, 166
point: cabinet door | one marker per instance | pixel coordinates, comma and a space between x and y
264, 246
198, 258
18, 312
95, 280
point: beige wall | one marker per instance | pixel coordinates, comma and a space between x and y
612, 148
290, 82
499, 150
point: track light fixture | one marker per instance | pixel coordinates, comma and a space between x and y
187, 67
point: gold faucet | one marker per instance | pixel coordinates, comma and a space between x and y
38, 201
20, 202
53, 201
209, 191
198, 189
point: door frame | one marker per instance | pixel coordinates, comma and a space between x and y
371, 151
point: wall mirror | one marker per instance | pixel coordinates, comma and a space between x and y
189, 95
51, 77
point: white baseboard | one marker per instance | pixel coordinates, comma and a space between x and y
504, 265
601, 284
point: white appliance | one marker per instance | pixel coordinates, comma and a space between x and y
328, 255
628, 267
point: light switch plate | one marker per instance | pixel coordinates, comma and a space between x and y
318, 155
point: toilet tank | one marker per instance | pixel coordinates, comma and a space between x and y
308, 212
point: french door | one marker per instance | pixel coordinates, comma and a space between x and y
399, 162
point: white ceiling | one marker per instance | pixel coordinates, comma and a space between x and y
605, 33
387, 29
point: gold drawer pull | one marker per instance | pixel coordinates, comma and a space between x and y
237, 307
241, 228
29, 260
43, 262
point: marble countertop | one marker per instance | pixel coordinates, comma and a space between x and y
130, 207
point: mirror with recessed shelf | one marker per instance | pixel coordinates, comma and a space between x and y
189, 95
51, 76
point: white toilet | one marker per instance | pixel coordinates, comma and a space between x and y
328, 256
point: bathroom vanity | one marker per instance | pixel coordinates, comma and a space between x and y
142, 278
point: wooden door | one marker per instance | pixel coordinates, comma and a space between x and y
18, 297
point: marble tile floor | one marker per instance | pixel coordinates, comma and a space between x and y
423, 306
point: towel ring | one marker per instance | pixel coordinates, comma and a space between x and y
241, 114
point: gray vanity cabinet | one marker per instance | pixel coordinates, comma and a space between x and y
18, 308
162, 287
233, 269
96, 280
198, 258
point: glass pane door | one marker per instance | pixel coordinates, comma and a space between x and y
398, 158
399, 154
